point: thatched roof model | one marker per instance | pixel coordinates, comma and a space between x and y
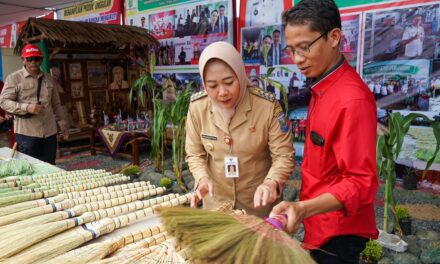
71, 35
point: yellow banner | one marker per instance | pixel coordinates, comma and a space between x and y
94, 7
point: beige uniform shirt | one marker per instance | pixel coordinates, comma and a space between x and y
264, 151
19, 91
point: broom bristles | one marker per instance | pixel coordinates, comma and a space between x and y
224, 238
98, 251
62, 243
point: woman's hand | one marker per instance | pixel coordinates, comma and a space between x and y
266, 193
205, 186
295, 212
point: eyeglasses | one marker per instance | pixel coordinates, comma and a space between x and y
36, 59
305, 48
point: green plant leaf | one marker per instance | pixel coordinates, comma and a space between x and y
269, 71
436, 130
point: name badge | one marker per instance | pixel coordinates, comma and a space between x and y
231, 167
209, 137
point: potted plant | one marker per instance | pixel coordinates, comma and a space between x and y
410, 178
388, 147
372, 253
404, 220
132, 170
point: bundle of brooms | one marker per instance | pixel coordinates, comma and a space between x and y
56, 183
138, 186
17, 179
98, 251
166, 252
16, 240
13, 199
115, 198
13, 166
70, 239
231, 238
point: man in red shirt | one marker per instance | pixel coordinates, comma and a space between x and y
339, 175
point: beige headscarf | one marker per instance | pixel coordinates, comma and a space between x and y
227, 53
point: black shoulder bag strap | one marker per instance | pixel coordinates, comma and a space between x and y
40, 80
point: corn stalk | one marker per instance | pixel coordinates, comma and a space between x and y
179, 111
388, 148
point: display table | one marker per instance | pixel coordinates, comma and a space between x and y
113, 140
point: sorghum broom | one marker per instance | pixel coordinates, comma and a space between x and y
231, 238
91, 204
66, 241
144, 243
165, 252
30, 184
36, 187
69, 203
138, 186
15, 166
52, 192
19, 179
14, 181
98, 251
20, 240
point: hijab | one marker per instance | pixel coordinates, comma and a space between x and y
229, 55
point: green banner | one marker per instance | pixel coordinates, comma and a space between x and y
350, 3
45, 64
144, 5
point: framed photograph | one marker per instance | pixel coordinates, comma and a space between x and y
75, 71
99, 100
120, 100
77, 89
118, 77
57, 72
96, 74
76, 114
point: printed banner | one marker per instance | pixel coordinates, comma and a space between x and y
399, 84
350, 38
183, 27
98, 11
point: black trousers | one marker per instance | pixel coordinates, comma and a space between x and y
340, 250
44, 149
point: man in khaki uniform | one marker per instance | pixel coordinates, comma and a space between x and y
36, 112
260, 141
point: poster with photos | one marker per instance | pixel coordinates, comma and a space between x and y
75, 71
400, 52
183, 29
349, 44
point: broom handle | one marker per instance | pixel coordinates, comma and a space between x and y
14, 147
108, 225
95, 217
50, 175
277, 221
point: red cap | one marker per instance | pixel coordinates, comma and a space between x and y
31, 50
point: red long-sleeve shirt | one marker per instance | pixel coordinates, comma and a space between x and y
343, 113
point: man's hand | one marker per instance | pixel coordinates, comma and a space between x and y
266, 193
205, 186
35, 108
65, 133
295, 212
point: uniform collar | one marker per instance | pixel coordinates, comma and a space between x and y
239, 117
320, 85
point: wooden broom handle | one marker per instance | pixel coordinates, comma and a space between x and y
14, 148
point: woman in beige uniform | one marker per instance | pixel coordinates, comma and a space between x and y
232, 123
